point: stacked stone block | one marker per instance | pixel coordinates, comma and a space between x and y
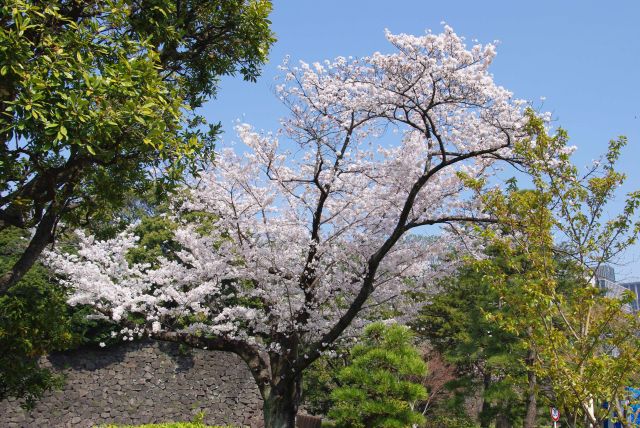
143, 382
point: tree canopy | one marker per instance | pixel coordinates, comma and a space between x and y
99, 96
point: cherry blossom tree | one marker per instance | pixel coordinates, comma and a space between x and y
308, 232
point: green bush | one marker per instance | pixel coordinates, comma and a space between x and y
33, 322
320, 379
376, 388
450, 421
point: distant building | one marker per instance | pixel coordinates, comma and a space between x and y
605, 275
606, 279
635, 288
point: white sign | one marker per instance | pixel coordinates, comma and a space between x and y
555, 416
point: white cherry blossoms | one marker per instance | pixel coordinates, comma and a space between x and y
286, 245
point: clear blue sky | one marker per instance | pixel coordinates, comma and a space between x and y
582, 56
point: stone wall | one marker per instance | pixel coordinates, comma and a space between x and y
143, 382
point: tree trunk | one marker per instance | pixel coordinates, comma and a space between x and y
42, 237
485, 411
531, 404
281, 403
502, 420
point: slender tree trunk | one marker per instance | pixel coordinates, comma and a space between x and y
485, 411
44, 190
591, 414
281, 403
531, 404
42, 237
502, 420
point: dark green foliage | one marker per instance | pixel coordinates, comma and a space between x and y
97, 90
377, 388
33, 322
156, 240
450, 420
205, 39
320, 379
487, 358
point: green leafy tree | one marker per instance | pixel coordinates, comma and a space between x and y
96, 95
489, 360
377, 387
581, 340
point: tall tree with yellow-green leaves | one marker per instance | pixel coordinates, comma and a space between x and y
99, 96
581, 340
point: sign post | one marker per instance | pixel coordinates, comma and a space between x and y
555, 416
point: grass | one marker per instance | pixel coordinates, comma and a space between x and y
198, 422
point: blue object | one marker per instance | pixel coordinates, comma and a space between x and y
632, 409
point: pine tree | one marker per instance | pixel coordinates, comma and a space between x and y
377, 388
